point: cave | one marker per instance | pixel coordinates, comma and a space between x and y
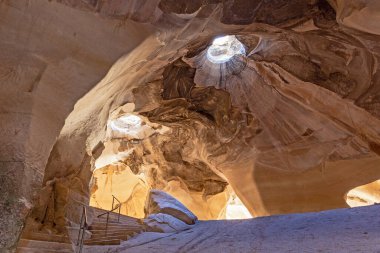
189, 126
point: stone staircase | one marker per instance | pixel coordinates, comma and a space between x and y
117, 231
44, 245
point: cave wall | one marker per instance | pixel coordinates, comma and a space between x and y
56, 53
47, 63
314, 97
145, 64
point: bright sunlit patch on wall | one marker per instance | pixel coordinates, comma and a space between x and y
364, 195
127, 124
235, 209
133, 128
224, 48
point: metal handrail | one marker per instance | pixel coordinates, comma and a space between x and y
118, 206
82, 229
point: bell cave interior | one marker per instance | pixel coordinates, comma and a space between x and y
189, 126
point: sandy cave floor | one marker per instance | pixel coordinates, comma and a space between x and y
336, 231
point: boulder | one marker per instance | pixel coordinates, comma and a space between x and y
161, 202
162, 222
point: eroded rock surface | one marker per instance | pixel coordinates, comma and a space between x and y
159, 202
341, 231
164, 223
291, 126
282, 113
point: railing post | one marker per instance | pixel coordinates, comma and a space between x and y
112, 209
81, 243
108, 215
119, 207
80, 228
84, 228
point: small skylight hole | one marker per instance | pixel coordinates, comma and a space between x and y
224, 48
126, 126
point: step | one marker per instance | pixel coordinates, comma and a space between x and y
116, 231
111, 227
122, 237
121, 225
102, 242
26, 243
121, 231
121, 220
98, 211
110, 237
125, 223
38, 236
38, 250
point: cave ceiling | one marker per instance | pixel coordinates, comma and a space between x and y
291, 123
282, 123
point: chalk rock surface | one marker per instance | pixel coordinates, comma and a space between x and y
159, 202
336, 231
165, 223
292, 125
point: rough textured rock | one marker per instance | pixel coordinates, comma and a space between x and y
118, 180
166, 223
360, 15
292, 126
364, 195
342, 231
47, 63
127, 167
161, 202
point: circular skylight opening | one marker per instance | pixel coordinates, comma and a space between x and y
224, 48
127, 124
